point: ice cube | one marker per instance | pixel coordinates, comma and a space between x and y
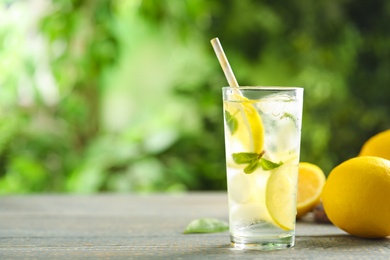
249, 213
240, 188
246, 214
274, 105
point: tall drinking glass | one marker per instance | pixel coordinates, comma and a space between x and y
262, 144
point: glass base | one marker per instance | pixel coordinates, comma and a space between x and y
244, 243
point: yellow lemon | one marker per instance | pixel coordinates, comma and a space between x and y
249, 127
378, 145
356, 196
279, 192
311, 179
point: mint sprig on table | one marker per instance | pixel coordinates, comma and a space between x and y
254, 160
206, 225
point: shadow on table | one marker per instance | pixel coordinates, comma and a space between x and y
307, 247
340, 241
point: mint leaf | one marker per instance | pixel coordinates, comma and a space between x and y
251, 166
206, 225
268, 165
290, 116
231, 121
254, 160
242, 158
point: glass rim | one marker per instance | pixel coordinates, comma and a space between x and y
263, 88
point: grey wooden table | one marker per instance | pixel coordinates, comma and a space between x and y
122, 226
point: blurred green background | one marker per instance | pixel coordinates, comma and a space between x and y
125, 95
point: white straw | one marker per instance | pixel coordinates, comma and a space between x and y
224, 63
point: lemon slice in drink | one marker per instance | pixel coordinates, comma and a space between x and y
279, 191
249, 128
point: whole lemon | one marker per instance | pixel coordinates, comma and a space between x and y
378, 145
356, 197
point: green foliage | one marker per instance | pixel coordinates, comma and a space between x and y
126, 95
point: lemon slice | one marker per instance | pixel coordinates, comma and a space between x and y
310, 182
279, 197
250, 130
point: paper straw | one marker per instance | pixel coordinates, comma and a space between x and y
224, 63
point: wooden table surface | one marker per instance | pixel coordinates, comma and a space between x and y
124, 226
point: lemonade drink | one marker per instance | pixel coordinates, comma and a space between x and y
262, 138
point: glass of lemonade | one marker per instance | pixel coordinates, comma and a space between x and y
262, 139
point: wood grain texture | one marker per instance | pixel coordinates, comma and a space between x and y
125, 226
